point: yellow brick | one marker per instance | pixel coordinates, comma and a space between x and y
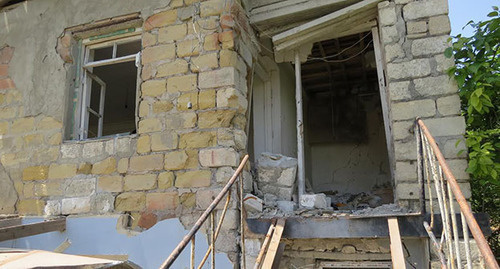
192, 159
4, 127
130, 201
35, 172
110, 183
143, 144
182, 83
62, 171
30, 207
206, 99
160, 19
146, 163
162, 106
228, 58
55, 139
143, 108
106, 166
29, 190
172, 33
122, 165
153, 88
204, 62
149, 125
148, 39
188, 48
176, 160
51, 188
176, 3
165, 180
158, 53
179, 66
84, 168
23, 125
164, 141
33, 140
139, 182
193, 179
147, 72
211, 42
213, 119
49, 123
188, 199
184, 100
198, 140
7, 112
227, 39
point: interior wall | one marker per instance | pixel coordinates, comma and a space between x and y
258, 134
350, 167
288, 110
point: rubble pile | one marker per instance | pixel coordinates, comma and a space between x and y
274, 195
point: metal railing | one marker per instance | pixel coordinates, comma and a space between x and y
436, 172
190, 237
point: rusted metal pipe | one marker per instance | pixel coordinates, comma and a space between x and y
180, 247
481, 242
436, 245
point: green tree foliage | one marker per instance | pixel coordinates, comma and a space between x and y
477, 72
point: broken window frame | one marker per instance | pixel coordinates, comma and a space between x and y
89, 45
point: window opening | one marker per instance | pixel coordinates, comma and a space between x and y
108, 96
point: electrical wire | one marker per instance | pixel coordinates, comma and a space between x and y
343, 60
344, 50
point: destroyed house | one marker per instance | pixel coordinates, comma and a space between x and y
124, 120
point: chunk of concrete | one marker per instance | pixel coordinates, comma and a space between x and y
286, 206
314, 201
277, 175
252, 203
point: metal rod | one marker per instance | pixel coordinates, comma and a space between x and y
264, 244
436, 245
219, 226
419, 168
173, 256
482, 244
465, 231
447, 223
242, 226
455, 228
426, 167
212, 240
300, 127
192, 252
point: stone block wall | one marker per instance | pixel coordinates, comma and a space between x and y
414, 36
196, 57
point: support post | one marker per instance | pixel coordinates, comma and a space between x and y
300, 127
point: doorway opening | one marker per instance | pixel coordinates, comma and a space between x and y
346, 156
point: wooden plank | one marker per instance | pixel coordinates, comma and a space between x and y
329, 19
274, 245
291, 8
18, 231
398, 258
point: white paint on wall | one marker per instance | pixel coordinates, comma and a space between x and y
99, 236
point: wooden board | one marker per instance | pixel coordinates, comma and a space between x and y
23, 230
398, 258
274, 245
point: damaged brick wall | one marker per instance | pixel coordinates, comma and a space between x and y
193, 52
